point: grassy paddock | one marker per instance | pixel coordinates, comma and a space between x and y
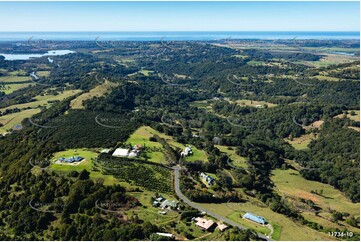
85, 164
8, 121
291, 182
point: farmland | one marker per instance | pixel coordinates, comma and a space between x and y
97, 91
291, 183
10, 120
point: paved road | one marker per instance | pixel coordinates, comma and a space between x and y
196, 206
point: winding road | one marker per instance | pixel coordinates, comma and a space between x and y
198, 207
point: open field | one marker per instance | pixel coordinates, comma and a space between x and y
97, 91
85, 164
10, 88
355, 117
330, 59
289, 229
301, 142
43, 73
145, 72
326, 78
14, 79
237, 160
43, 100
143, 134
8, 121
252, 103
290, 182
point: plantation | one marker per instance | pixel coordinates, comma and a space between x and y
153, 177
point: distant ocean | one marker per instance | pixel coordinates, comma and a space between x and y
156, 36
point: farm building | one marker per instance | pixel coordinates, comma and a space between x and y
205, 224
120, 152
71, 159
255, 218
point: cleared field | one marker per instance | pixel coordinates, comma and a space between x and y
142, 135
301, 142
85, 164
326, 78
8, 121
98, 91
43, 73
355, 117
237, 160
330, 59
145, 72
251, 103
292, 183
14, 79
10, 88
43, 100
289, 229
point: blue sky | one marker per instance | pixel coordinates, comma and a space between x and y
179, 16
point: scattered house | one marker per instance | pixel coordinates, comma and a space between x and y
207, 179
105, 151
205, 224
132, 154
158, 201
221, 226
71, 159
33, 75
50, 60
160, 198
135, 151
162, 212
138, 147
187, 151
166, 204
255, 218
120, 152
165, 235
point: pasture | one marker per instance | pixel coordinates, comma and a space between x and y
253, 103
238, 161
142, 135
302, 142
88, 155
98, 91
8, 121
355, 117
291, 183
284, 228
10, 88
42, 100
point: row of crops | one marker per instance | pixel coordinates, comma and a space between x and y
153, 177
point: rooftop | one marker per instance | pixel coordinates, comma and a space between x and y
255, 218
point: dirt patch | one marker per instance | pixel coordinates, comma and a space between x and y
308, 196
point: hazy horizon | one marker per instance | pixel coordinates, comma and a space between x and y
178, 16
